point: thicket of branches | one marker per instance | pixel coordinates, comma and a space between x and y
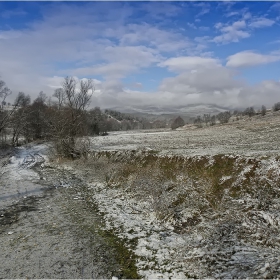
63, 120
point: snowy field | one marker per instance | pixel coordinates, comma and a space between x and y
18, 179
260, 136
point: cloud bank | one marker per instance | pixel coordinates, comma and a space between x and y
125, 46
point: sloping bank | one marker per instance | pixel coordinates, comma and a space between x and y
200, 216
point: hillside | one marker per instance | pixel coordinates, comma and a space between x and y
187, 112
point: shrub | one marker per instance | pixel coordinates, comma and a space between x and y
250, 111
224, 117
263, 110
276, 106
178, 122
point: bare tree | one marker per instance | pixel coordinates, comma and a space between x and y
224, 117
206, 118
77, 99
276, 106
60, 95
70, 121
4, 92
263, 110
6, 114
250, 111
198, 121
19, 119
213, 120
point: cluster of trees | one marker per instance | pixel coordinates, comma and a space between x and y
120, 116
62, 121
64, 118
224, 117
250, 111
276, 107
128, 122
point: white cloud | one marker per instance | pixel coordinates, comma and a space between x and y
161, 9
230, 14
191, 25
247, 15
231, 33
275, 6
120, 61
205, 8
261, 22
275, 42
162, 40
202, 81
265, 92
214, 84
227, 5
73, 40
12, 13
250, 58
179, 64
77, 40
240, 29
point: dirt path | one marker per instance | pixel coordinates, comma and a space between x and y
46, 228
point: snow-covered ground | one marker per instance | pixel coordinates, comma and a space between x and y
175, 230
258, 136
18, 179
201, 203
233, 233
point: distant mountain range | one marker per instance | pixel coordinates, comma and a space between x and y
186, 112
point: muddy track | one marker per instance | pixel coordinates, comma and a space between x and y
55, 234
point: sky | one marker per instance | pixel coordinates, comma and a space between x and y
144, 54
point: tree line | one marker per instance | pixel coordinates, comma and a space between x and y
63, 118
224, 117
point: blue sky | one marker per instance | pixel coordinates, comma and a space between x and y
145, 53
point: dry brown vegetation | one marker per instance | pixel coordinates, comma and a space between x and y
228, 200
153, 175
